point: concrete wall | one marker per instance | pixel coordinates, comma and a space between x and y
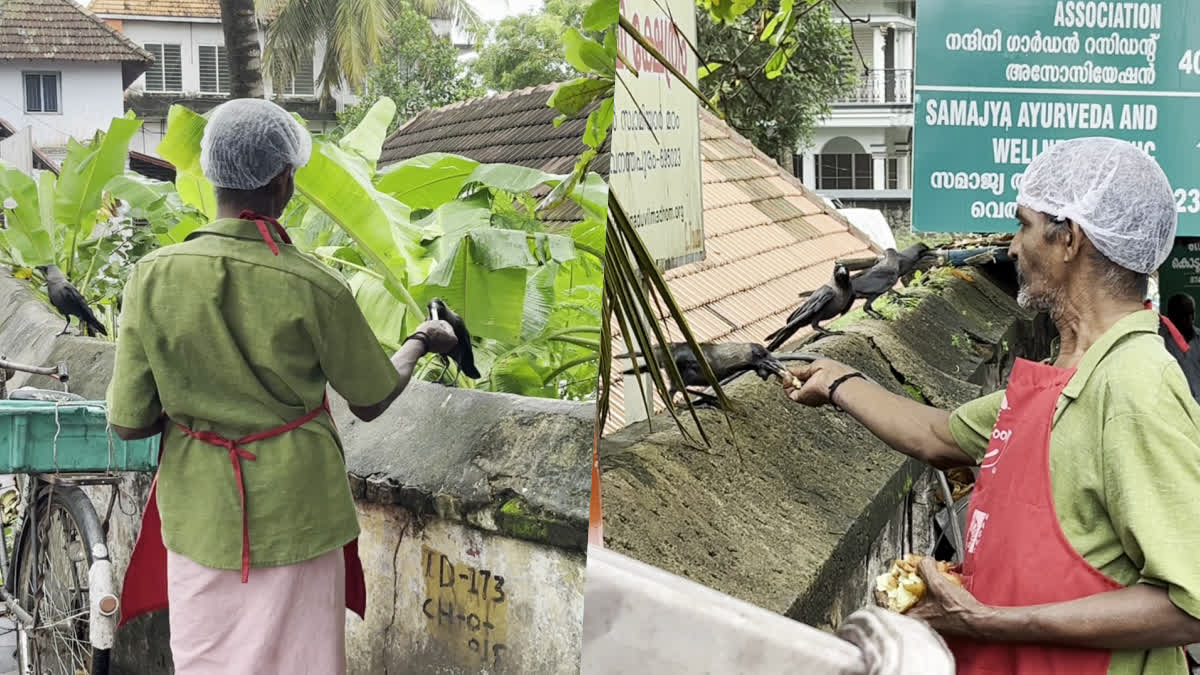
795, 509
491, 486
90, 95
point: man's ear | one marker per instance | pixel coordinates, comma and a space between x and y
1073, 242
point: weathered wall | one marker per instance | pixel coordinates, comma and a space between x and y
797, 513
497, 484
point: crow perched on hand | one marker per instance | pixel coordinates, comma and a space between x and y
462, 354
68, 301
727, 360
827, 302
877, 281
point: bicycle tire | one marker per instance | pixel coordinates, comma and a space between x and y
81, 515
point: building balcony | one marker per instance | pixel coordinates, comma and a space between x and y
881, 87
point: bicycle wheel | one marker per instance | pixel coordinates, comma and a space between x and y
52, 585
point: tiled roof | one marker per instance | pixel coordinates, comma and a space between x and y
192, 9
60, 30
515, 127
767, 236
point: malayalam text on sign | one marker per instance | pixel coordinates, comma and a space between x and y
655, 166
998, 83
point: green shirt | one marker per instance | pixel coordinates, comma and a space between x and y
1124, 470
223, 335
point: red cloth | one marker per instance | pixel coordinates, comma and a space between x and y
144, 589
1175, 334
261, 222
1017, 554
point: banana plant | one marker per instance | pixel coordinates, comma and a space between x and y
441, 225
68, 220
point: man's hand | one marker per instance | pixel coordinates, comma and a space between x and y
440, 335
810, 382
947, 607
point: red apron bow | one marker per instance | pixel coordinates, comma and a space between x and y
261, 222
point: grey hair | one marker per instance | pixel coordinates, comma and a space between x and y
1121, 282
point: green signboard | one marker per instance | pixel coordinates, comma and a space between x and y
997, 82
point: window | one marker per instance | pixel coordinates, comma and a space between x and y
845, 172
42, 92
302, 80
167, 72
798, 167
893, 173
214, 70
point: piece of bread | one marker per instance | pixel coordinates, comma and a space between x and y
901, 587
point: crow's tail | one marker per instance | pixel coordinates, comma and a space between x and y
90, 319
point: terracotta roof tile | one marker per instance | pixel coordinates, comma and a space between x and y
200, 9
60, 30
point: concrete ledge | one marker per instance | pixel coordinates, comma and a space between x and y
507, 463
785, 524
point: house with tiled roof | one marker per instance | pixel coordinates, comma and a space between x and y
767, 237
188, 42
63, 71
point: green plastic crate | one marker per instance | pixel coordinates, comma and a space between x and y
27, 440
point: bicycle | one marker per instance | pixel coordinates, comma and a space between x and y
58, 581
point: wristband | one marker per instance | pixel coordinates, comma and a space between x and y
419, 336
839, 382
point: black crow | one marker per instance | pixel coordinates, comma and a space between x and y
877, 281
727, 360
461, 353
68, 301
910, 256
827, 302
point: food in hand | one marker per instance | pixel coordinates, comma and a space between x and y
901, 588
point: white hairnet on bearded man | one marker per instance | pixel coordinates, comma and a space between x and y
1115, 192
248, 141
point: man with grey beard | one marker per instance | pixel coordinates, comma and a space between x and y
1083, 524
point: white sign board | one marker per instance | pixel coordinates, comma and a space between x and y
655, 167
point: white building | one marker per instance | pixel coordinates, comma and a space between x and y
862, 154
188, 43
63, 72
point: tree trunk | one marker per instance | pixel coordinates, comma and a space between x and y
241, 48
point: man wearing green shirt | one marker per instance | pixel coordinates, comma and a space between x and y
228, 342
1083, 523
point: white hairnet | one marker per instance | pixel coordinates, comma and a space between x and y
1115, 192
249, 141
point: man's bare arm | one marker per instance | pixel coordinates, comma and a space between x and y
1138, 617
405, 361
917, 430
912, 428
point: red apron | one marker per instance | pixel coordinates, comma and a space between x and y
144, 589
1175, 334
1017, 554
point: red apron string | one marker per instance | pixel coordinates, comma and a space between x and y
237, 453
261, 222
1175, 334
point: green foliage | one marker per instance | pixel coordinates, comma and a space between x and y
527, 50
774, 68
417, 70
71, 221
470, 233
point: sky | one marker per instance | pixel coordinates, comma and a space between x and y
490, 10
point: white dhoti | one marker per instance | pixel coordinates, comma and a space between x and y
289, 619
